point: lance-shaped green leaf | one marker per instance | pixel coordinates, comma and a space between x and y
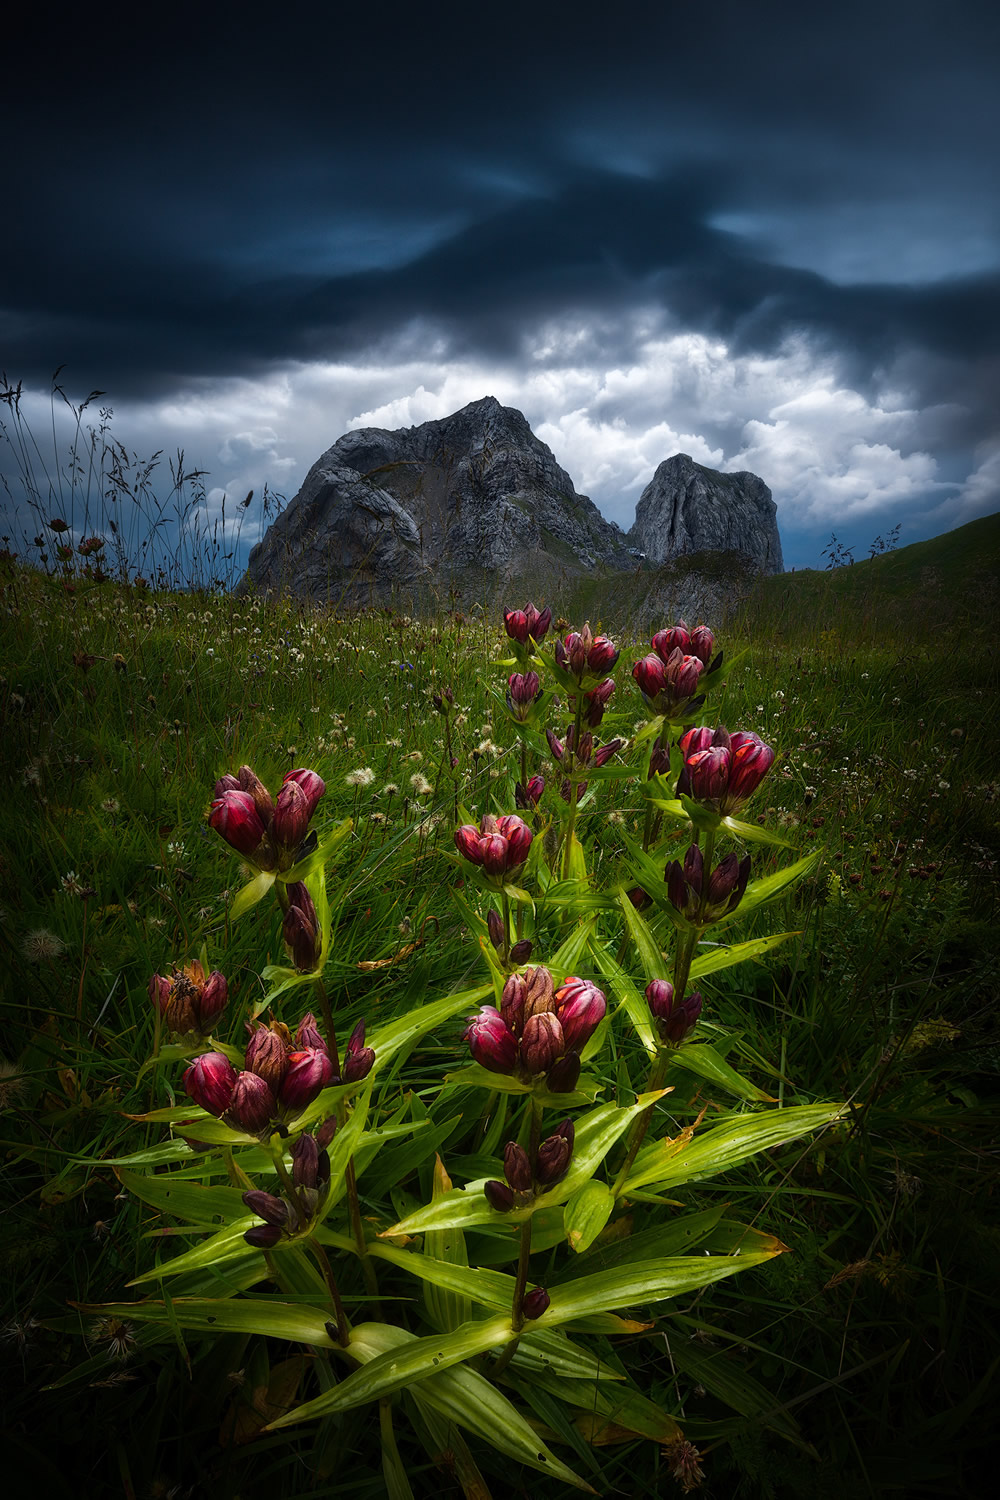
254, 891
476, 1076
316, 862
654, 964
185, 1200
394, 1036
448, 1308
724, 1146
676, 1236
464, 1397
726, 956
633, 1002
595, 1134
705, 1062
223, 1248
294, 1321
587, 1212
754, 833
642, 1283
570, 951
759, 892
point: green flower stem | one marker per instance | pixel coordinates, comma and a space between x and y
571, 820
657, 1073
320, 1256
237, 1177
517, 1306
331, 1035
354, 1214
505, 913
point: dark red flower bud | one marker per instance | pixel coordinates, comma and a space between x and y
267, 1055
552, 1161
699, 738
604, 752
602, 655
492, 1044
305, 1162
263, 1236
250, 782
310, 783
235, 816
269, 1208
309, 1073
494, 848
252, 1108
521, 952
541, 1042
538, 624
556, 746
659, 762
518, 835
528, 796
292, 812
358, 1059
227, 783
675, 637
660, 998
212, 1002
597, 701
469, 844
708, 774
581, 1010
517, 1167
308, 1034
494, 926
749, 762
702, 643
515, 622
210, 1081
564, 1075
673, 1021
512, 1001
300, 929
535, 1302
650, 676
538, 993
522, 691
499, 1196
639, 898
722, 881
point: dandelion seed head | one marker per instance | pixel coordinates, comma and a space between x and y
42, 945
363, 776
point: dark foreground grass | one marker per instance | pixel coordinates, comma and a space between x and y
863, 1362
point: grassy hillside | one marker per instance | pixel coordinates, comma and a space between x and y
863, 1361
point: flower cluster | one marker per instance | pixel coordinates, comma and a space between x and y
499, 845
704, 901
266, 831
527, 1178
722, 770
523, 692
579, 758
527, 624
586, 657
300, 929
190, 1003
281, 1077
668, 678
290, 1214
674, 1021
538, 1030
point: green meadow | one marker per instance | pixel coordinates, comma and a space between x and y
855, 1354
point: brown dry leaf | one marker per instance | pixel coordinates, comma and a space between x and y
245, 1418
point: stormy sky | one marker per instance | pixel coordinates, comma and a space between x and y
764, 235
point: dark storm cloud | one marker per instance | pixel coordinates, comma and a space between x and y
210, 199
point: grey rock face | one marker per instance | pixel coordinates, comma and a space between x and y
686, 508
475, 491
477, 495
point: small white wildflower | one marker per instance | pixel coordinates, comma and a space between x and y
72, 884
390, 789
363, 776
111, 806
